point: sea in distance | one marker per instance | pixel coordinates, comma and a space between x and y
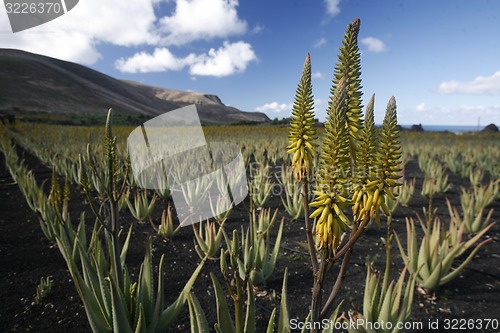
449, 128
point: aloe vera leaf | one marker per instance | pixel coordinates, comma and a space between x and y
269, 268
456, 271
223, 315
123, 254
140, 326
169, 314
121, 321
333, 319
270, 325
250, 313
432, 281
284, 319
197, 318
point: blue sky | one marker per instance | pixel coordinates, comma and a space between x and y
440, 59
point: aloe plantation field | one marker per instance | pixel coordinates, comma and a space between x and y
347, 226
468, 164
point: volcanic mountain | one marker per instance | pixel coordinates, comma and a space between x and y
38, 87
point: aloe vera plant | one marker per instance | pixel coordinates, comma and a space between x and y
142, 208
405, 192
222, 208
478, 197
240, 324
436, 181
195, 191
476, 177
431, 262
32, 192
292, 202
256, 248
113, 303
43, 289
389, 306
258, 259
208, 239
358, 167
471, 219
260, 186
166, 228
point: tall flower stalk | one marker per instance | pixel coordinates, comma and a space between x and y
349, 67
302, 147
334, 163
357, 168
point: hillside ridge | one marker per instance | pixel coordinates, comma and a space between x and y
40, 86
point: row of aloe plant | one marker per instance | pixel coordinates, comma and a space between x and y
98, 264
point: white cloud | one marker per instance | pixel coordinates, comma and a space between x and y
274, 107
481, 85
320, 42
420, 107
202, 20
318, 102
317, 75
373, 44
479, 110
257, 29
228, 59
465, 114
332, 7
74, 36
161, 60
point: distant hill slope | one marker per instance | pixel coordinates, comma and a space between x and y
32, 84
210, 107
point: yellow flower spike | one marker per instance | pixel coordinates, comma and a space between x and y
348, 68
388, 158
302, 130
334, 161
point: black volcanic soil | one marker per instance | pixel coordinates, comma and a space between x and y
26, 256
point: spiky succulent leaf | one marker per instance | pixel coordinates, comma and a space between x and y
349, 67
333, 173
302, 128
